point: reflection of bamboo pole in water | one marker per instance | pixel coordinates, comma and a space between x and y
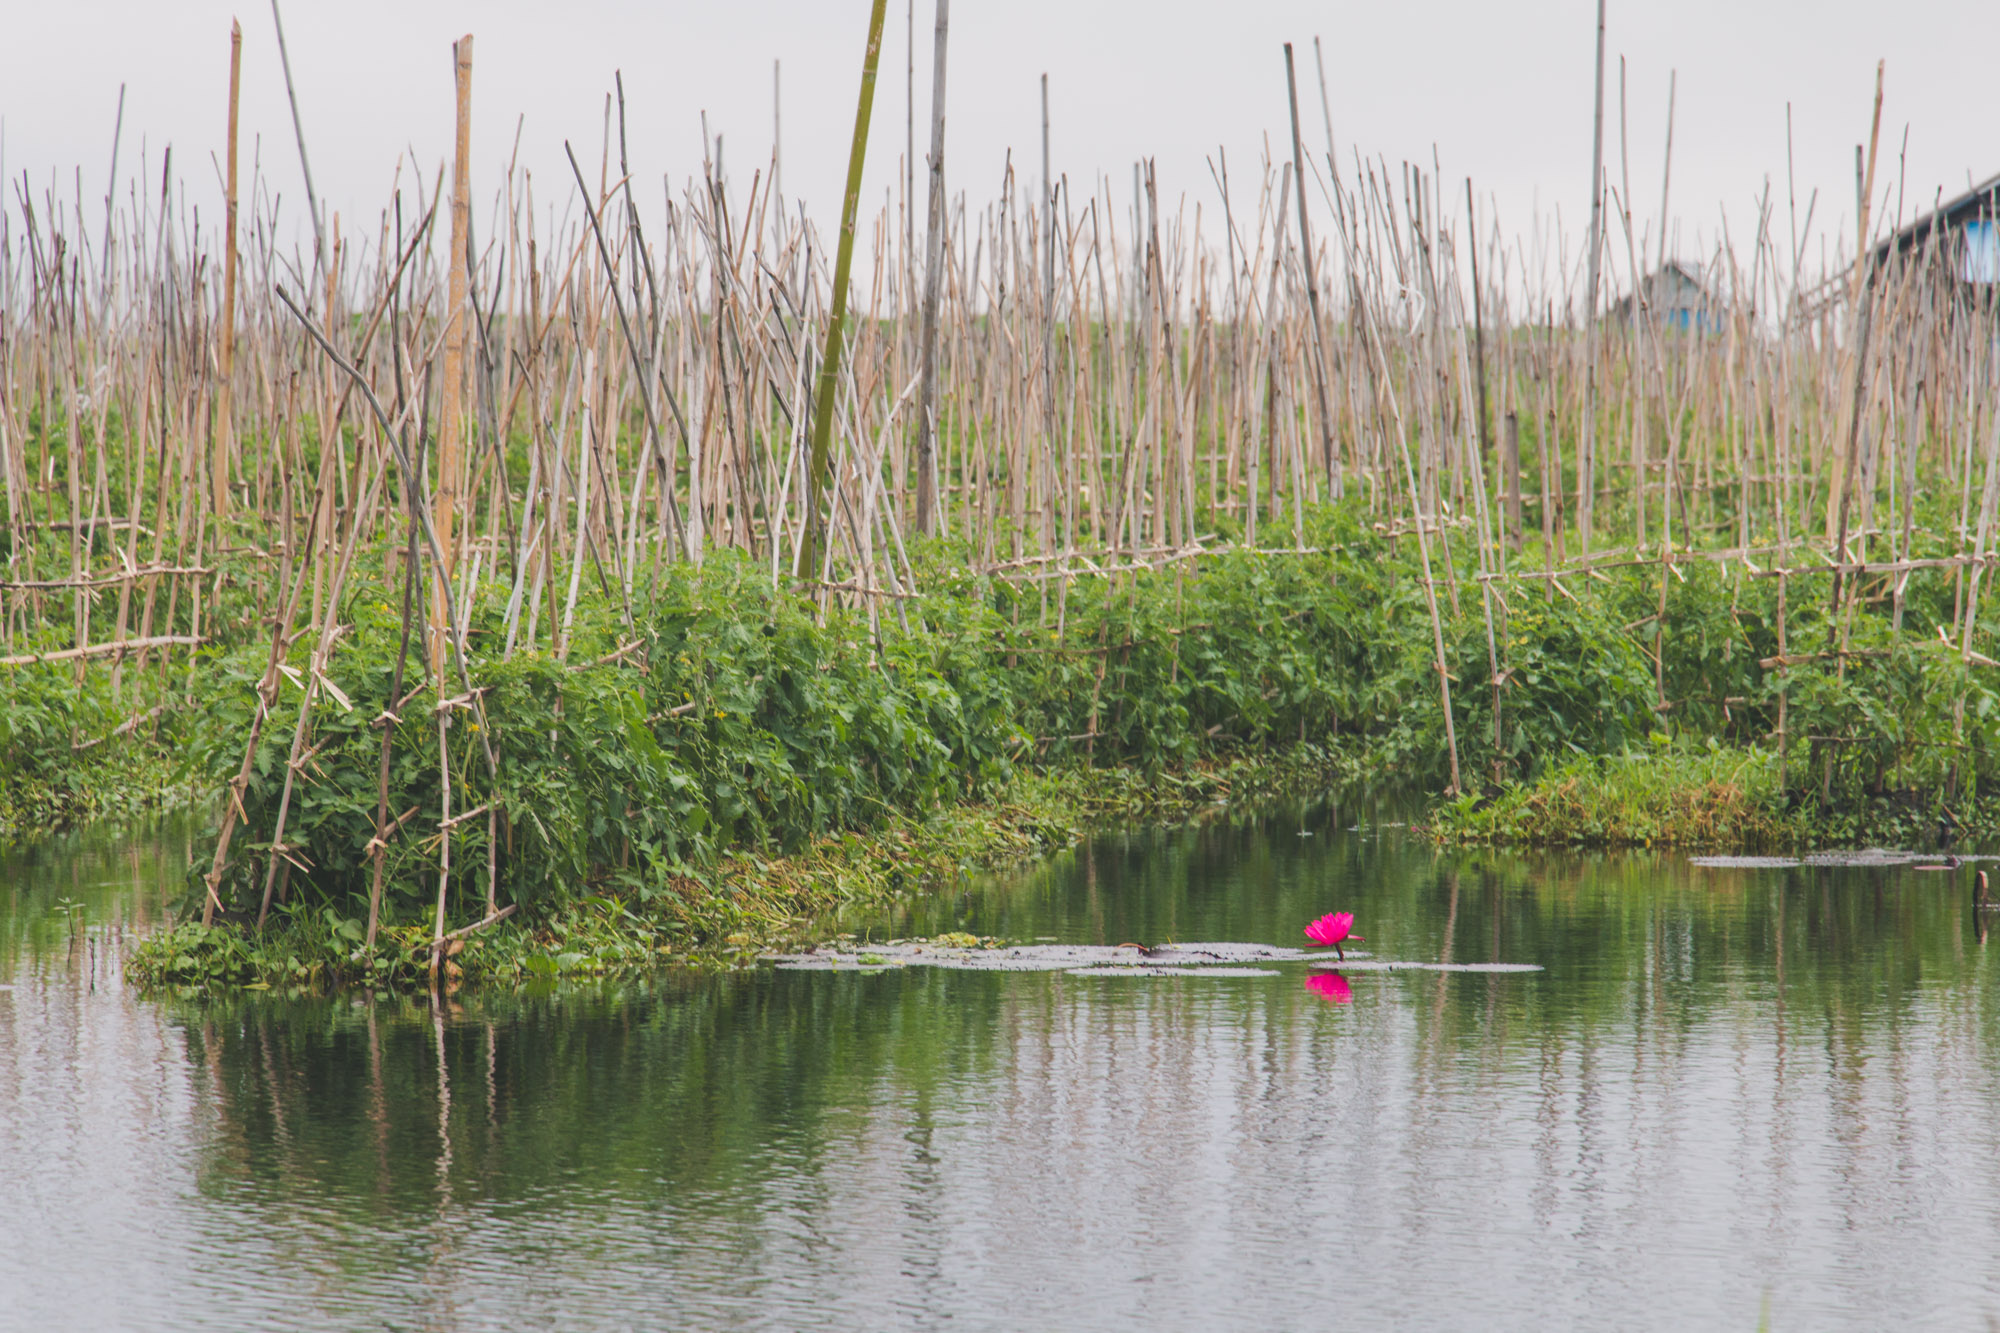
1444, 954
69, 914
1494, 955
442, 1234
280, 1130
1450, 923
1655, 964
1778, 973
378, 1111
212, 1065
1494, 891
1090, 894
443, 1104
928, 1257
492, 1082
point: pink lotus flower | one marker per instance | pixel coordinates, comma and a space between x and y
1331, 987
1330, 930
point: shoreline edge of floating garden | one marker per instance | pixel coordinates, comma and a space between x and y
736, 767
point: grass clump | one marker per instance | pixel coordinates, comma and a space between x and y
1672, 796
746, 902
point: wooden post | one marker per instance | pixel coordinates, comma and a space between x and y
444, 842
321, 254
927, 471
819, 465
1510, 464
1840, 494
1478, 325
1784, 681
379, 844
1050, 460
1586, 483
110, 203
451, 404
1312, 286
909, 264
225, 356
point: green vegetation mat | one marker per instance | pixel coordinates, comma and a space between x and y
731, 767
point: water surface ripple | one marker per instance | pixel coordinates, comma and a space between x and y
1733, 1093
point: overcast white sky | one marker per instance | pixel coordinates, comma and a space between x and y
1502, 92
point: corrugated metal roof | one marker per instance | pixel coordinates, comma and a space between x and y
1982, 200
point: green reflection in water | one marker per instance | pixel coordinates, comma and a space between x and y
70, 903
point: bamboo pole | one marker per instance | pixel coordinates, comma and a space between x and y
1327, 459
818, 473
225, 438
1586, 456
320, 253
1860, 302
926, 464
451, 403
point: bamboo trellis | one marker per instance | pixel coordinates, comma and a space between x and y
1117, 385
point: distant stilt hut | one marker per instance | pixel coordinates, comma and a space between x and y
1958, 240
1674, 297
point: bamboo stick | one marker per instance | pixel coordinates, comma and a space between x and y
224, 445
451, 414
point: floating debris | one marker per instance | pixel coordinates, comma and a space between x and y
1101, 960
1182, 971
1745, 862
1393, 965
996, 957
1866, 858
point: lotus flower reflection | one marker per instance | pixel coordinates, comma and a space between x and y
1331, 930
1331, 987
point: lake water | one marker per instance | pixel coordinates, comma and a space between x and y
1734, 1097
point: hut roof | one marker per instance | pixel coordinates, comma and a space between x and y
1981, 201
